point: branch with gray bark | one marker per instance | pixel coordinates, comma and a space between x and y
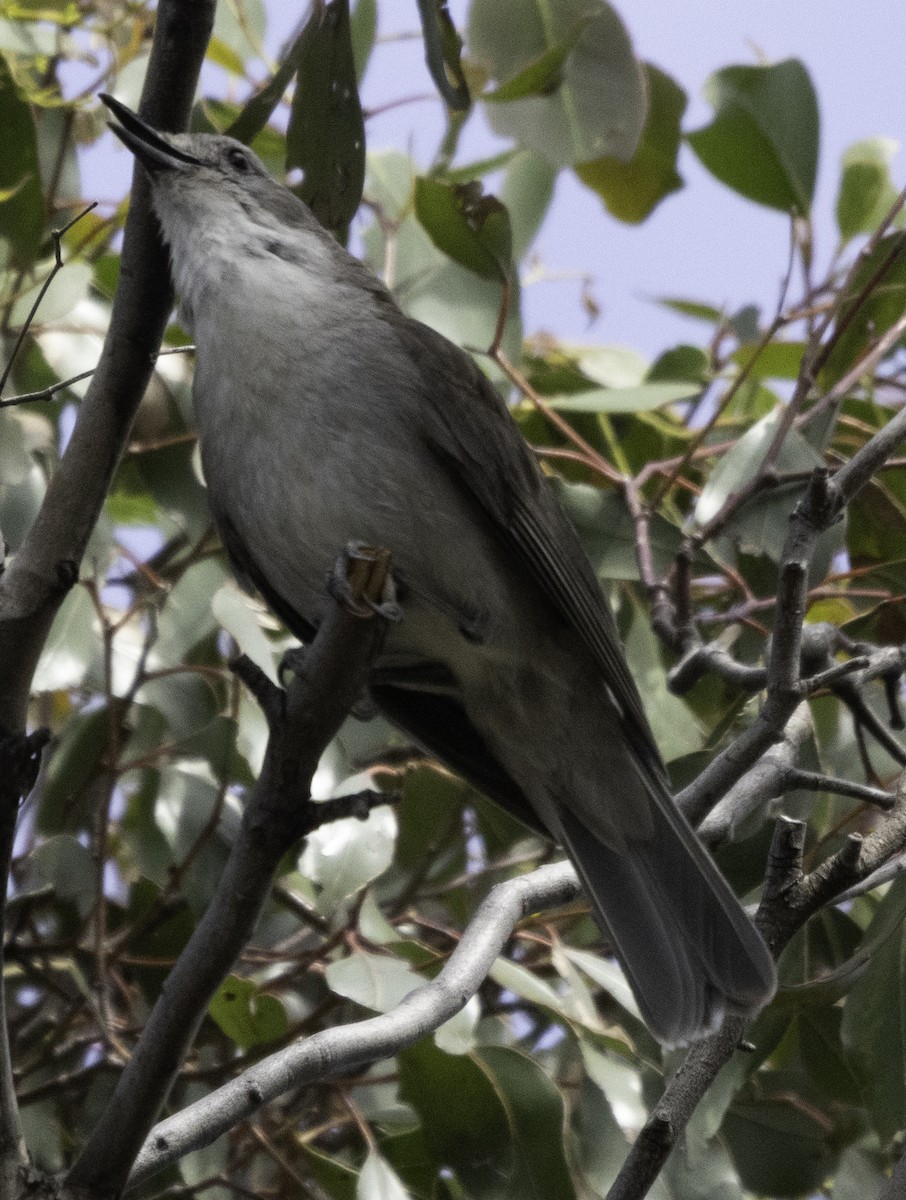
757, 766
46, 564
328, 678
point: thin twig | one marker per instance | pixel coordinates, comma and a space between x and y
57, 235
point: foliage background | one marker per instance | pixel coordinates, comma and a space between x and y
539, 1085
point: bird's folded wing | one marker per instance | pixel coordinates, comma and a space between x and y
471, 432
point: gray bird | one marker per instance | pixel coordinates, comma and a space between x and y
326, 415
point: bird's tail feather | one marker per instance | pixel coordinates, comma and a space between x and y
689, 951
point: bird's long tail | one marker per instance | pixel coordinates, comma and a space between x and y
688, 949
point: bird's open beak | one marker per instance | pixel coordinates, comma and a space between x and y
151, 149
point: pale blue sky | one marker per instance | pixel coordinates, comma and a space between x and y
702, 242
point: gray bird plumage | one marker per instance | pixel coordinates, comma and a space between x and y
324, 415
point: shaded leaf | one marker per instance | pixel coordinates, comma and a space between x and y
326, 133
763, 141
443, 52
862, 319
779, 1147
22, 213
874, 1021
471, 228
632, 190
490, 1117
866, 189
608, 532
825, 1057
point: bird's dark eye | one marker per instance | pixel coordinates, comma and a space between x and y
238, 160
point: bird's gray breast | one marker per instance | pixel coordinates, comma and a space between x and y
311, 429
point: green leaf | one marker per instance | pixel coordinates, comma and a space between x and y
693, 308
611, 366
430, 286
379, 1181
236, 615
607, 531
682, 362
632, 190
60, 12
863, 319
253, 117
525, 983
471, 228
874, 1020
643, 398
763, 141
598, 109
68, 867
866, 189
760, 524
824, 1056
676, 729
22, 214
72, 646
69, 286
443, 53
527, 192
326, 132
239, 27
544, 74
489, 1117
376, 981
776, 360
535, 1111
345, 855
74, 763
187, 618
362, 33
246, 1014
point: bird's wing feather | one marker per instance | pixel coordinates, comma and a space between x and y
470, 430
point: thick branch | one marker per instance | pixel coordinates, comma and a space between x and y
345, 1047
46, 564
302, 721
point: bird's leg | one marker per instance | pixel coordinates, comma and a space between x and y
346, 582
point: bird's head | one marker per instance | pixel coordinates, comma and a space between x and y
200, 178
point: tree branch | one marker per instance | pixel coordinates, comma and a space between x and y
46, 564
333, 1051
302, 721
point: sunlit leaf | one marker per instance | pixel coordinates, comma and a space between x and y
632, 190
246, 1014
597, 109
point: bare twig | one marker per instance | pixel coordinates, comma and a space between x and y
57, 235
